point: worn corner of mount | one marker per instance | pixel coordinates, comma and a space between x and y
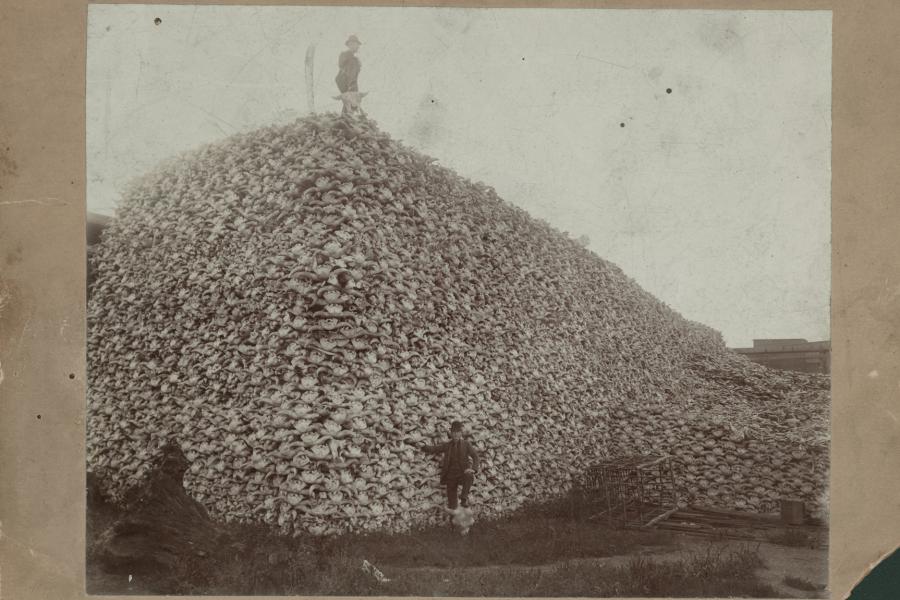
868, 571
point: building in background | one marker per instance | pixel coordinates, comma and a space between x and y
790, 354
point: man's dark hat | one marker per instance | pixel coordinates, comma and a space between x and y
456, 426
351, 40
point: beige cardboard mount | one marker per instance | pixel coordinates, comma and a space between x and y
42, 285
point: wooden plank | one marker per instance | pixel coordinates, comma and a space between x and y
735, 513
723, 521
661, 517
680, 527
715, 534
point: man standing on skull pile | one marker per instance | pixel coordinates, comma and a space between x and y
348, 69
456, 469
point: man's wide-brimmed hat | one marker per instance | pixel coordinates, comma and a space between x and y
352, 40
456, 426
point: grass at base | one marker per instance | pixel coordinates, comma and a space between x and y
264, 563
533, 540
699, 575
498, 558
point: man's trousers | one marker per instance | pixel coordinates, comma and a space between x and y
465, 480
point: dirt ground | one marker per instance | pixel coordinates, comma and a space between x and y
781, 562
809, 564
532, 552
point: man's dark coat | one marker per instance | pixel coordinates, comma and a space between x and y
348, 71
465, 451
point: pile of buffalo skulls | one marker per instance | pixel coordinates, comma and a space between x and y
299, 307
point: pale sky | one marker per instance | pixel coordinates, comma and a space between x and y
714, 197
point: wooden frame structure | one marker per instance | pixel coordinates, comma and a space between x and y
637, 491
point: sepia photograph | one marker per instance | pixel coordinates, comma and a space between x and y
458, 301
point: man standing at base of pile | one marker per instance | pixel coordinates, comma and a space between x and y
456, 469
348, 70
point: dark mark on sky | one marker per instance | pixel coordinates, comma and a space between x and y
668, 90
621, 124
157, 21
